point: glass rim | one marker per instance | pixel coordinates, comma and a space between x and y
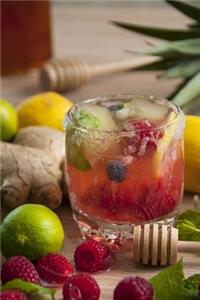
122, 96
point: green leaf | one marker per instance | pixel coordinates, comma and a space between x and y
162, 33
74, 151
194, 25
192, 282
76, 158
189, 92
86, 120
188, 231
188, 225
162, 64
178, 88
183, 68
169, 283
174, 49
188, 9
28, 288
192, 216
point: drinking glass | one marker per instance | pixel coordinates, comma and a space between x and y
124, 164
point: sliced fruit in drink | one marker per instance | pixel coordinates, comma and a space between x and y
102, 115
95, 137
142, 109
96, 143
164, 142
150, 110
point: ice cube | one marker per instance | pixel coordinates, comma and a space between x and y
150, 110
103, 115
97, 143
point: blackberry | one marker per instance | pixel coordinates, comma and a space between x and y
116, 170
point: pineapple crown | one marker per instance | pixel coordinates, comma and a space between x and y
179, 54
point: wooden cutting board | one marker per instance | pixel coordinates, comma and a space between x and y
125, 265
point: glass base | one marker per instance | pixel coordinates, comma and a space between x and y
110, 233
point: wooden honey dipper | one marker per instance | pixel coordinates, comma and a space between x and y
155, 244
69, 73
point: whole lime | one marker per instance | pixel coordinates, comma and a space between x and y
31, 230
8, 120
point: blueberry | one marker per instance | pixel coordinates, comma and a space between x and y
116, 170
116, 107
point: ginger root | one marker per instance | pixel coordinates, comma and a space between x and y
31, 170
42, 137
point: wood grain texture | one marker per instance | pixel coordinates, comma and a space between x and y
125, 265
85, 31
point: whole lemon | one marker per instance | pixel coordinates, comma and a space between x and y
8, 120
192, 154
31, 230
45, 109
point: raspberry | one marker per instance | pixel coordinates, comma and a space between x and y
13, 295
54, 268
146, 135
155, 201
116, 170
133, 288
81, 287
114, 197
92, 256
19, 267
110, 201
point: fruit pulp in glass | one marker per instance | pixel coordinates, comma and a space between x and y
125, 159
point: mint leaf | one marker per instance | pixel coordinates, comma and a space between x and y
191, 283
188, 225
76, 158
192, 216
169, 283
74, 153
28, 288
86, 120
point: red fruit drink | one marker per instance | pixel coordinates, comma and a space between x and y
124, 163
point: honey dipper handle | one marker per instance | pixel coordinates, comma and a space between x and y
189, 247
68, 73
119, 66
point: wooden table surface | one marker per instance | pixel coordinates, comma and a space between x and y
84, 30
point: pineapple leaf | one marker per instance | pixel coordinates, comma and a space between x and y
162, 64
188, 9
162, 33
183, 68
170, 49
189, 92
178, 87
194, 25
190, 107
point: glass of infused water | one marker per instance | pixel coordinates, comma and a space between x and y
124, 165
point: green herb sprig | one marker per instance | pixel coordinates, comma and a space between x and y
31, 289
170, 284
